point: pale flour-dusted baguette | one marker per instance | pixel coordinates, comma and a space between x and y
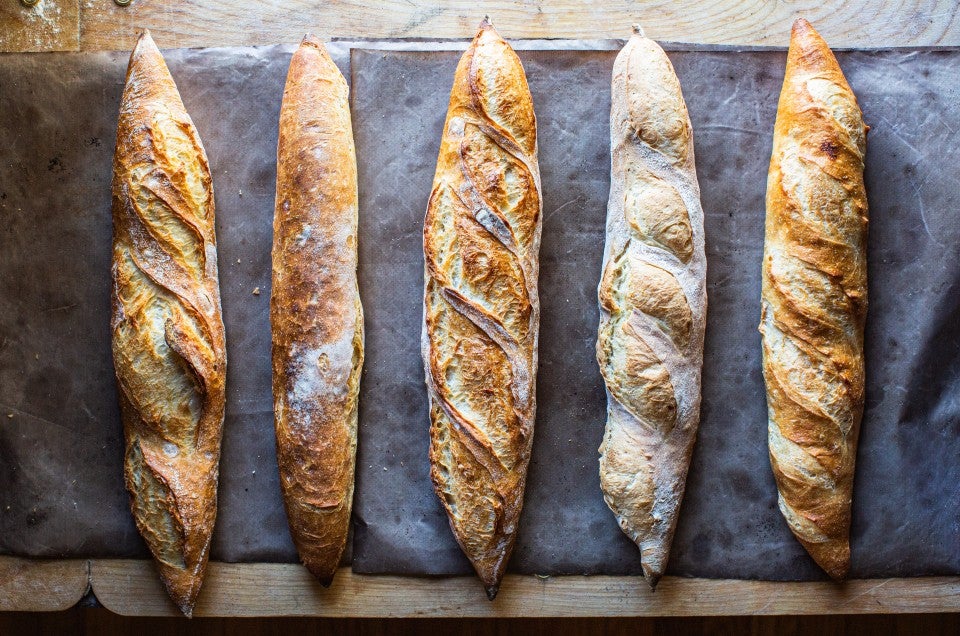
653, 302
814, 299
481, 240
167, 329
315, 312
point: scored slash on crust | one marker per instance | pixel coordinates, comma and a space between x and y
652, 302
167, 330
814, 298
481, 312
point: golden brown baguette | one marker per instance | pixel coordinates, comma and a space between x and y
315, 311
653, 302
168, 342
815, 298
481, 240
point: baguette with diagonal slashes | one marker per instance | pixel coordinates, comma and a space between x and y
652, 302
814, 298
168, 341
481, 240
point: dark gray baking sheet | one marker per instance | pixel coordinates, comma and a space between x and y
907, 499
61, 492
61, 481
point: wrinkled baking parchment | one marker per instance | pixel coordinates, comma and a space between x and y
61, 488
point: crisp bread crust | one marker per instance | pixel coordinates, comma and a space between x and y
166, 323
652, 302
315, 312
814, 298
481, 240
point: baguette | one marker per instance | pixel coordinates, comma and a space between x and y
481, 240
653, 302
166, 324
814, 298
315, 312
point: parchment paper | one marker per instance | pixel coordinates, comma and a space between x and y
61, 491
61, 479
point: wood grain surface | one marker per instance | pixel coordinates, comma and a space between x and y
30, 585
103, 25
261, 589
49, 25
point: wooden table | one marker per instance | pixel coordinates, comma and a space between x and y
89, 25
132, 587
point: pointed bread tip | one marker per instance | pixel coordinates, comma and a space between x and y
321, 572
808, 50
801, 24
312, 51
184, 602
803, 34
492, 591
486, 29
638, 30
832, 556
653, 576
145, 52
837, 570
314, 42
182, 586
145, 40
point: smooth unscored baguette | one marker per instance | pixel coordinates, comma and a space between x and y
815, 298
168, 342
652, 302
481, 240
315, 311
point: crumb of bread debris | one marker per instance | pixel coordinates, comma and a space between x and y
238, 260
10, 415
256, 291
240, 192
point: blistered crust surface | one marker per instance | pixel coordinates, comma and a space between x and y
481, 311
168, 342
814, 298
315, 312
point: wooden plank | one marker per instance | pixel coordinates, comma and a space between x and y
50, 25
39, 585
264, 589
194, 23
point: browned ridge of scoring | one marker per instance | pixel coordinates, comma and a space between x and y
814, 298
481, 311
168, 340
